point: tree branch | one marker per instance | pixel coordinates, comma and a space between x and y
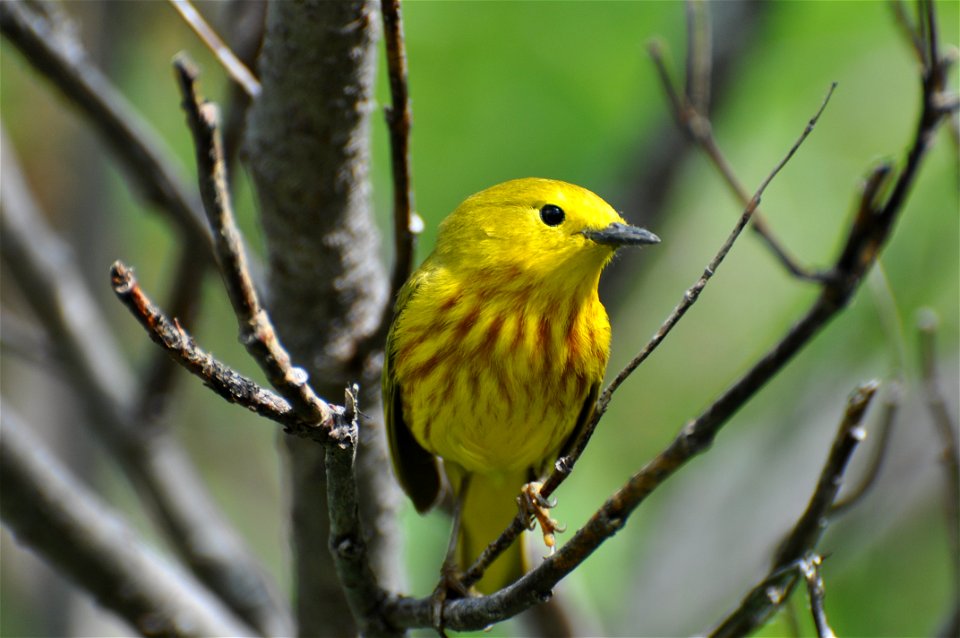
811, 573
227, 383
406, 223
339, 436
256, 329
55, 53
796, 557
336, 428
725, 40
891, 406
151, 458
307, 150
235, 68
690, 113
157, 383
399, 121
68, 526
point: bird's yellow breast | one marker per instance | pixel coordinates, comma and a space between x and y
495, 376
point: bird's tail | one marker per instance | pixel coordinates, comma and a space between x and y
487, 507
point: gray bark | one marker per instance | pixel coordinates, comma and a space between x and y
307, 150
48, 510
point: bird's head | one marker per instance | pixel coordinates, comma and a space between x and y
541, 228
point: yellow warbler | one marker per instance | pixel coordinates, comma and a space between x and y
497, 351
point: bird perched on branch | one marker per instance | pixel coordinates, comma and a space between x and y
496, 353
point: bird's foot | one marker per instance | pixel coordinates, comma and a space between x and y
450, 587
535, 506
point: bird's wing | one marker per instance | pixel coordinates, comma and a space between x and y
586, 412
416, 468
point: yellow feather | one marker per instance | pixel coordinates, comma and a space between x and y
498, 344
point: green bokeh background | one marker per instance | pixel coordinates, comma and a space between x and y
566, 90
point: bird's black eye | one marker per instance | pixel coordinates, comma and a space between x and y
552, 215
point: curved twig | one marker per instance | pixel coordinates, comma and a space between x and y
235, 68
891, 406
220, 378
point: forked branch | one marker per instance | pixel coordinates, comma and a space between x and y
300, 409
796, 556
171, 336
256, 330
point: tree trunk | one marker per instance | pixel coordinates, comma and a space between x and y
307, 147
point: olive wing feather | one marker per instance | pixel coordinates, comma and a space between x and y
415, 467
586, 413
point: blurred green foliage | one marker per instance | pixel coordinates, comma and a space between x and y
566, 90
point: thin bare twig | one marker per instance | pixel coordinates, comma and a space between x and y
347, 540
690, 112
405, 221
256, 330
815, 592
399, 121
907, 29
927, 324
55, 53
795, 557
50, 511
810, 527
891, 406
236, 69
179, 345
693, 293
159, 376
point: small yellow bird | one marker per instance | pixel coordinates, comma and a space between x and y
497, 350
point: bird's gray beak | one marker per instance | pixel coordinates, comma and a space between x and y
618, 234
